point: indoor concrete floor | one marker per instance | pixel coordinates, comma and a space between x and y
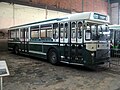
28, 73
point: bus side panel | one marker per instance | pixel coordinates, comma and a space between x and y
35, 49
12, 45
46, 48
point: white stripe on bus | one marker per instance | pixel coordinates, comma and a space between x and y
44, 43
10, 48
10, 39
39, 43
13, 42
47, 44
31, 51
71, 63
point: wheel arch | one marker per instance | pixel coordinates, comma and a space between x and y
14, 48
16, 45
55, 48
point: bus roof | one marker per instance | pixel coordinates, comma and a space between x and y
116, 27
90, 16
39, 22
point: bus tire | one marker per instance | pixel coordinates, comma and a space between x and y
53, 57
16, 50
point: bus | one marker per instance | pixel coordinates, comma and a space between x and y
78, 39
115, 39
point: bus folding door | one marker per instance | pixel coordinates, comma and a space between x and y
71, 42
24, 40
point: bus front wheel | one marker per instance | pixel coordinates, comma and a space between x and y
53, 57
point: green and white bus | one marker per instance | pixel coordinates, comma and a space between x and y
78, 39
115, 40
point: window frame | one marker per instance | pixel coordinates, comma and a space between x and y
34, 29
13, 30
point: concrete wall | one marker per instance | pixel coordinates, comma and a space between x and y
75, 5
115, 13
14, 14
95, 5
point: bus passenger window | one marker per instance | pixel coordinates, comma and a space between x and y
34, 31
61, 35
55, 31
66, 29
61, 31
34, 34
43, 33
88, 33
73, 32
17, 33
79, 29
21, 33
13, 34
26, 32
49, 33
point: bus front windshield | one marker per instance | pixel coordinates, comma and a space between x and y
104, 32
99, 32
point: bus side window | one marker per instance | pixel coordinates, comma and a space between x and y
34, 31
49, 33
34, 34
17, 33
43, 34
21, 33
61, 30
79, 30
24, 33
12, 34
88, 32
73, 32
66, 30
55, 31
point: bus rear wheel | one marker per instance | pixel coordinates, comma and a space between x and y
16, 50
53, 57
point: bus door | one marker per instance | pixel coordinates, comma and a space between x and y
64, 41
24, 39
75, 42
79, 39
71, 40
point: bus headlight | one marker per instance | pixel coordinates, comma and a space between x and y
92, 54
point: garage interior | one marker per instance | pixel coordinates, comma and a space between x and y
29, 73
